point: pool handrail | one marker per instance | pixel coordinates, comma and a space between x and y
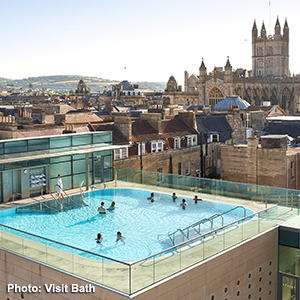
40, 202
209, 219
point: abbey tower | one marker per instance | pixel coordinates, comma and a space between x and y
270, 53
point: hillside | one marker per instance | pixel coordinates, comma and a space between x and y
69, 82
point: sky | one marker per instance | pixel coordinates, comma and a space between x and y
136, 40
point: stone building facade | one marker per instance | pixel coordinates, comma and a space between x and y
269, 79
271, 163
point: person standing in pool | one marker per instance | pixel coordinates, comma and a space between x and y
102, 209
120, 238
174, 197
151, 198
112, 206
183, 204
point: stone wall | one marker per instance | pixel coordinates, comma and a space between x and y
254, 165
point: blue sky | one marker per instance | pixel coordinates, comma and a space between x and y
153, 39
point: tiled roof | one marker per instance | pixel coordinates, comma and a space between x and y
142, 131
176, 127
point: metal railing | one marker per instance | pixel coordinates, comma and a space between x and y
196, 227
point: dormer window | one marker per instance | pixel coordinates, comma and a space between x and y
191, 140
141, 146
120, 153
177, 143
157, 146
213, 138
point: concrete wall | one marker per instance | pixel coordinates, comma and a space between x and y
249, 269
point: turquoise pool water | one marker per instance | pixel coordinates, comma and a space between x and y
139, 220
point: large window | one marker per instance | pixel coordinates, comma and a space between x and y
179, 168
215, 96
187, 168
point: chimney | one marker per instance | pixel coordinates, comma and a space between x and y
69, 129
189, 118
59, 119
154, 119
8, 128
122, 121
39, 113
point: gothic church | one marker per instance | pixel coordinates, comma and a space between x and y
269, 80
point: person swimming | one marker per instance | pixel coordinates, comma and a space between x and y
120, 238
112, 206
196, 199
99, 239
183, 204
151, 198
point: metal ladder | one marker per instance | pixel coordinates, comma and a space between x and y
196, 227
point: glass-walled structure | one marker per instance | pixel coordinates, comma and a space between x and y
29, 167
288, 263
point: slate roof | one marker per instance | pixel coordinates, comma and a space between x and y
176, 127
215, 124
230, 101
142, 131
284, 127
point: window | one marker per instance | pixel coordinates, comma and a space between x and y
213, 138
141, 145
159, 175
179, 168
207, 163
177, 143
120, 153
191, 140
187, 168
292, 169
157, 146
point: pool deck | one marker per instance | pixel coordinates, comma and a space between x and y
113, 274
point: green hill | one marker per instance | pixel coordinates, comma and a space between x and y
69, 82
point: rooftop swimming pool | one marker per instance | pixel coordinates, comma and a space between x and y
139, 220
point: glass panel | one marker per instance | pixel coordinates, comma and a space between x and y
1, 149
142, 274
59, 159
17, 165
88, 267
59, 142
61, 168
39, 144
107, 161
15, 147
108, 175
32, 163
84, 139
78, 166
166, 264
115, 272
289, 260
192, 253
78, 156
103, 137
77, 179
289, 288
